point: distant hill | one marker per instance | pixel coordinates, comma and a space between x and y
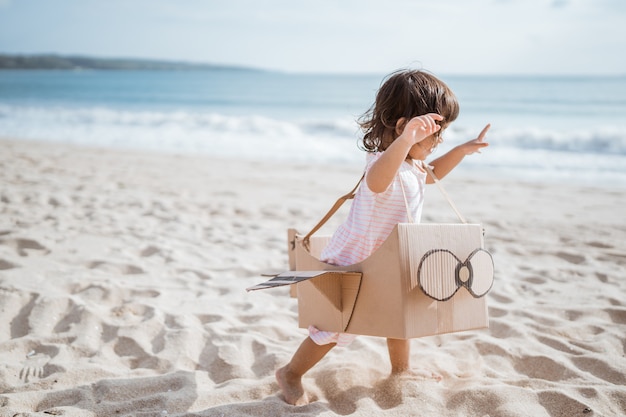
60, 62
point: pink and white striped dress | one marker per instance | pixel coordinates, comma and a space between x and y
371, 219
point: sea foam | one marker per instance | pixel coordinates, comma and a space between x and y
552, 151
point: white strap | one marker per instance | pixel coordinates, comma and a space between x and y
443, 191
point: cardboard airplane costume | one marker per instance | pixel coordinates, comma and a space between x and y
425, 279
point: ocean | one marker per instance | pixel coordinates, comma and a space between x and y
559, 129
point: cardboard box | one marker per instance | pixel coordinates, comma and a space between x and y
425, 279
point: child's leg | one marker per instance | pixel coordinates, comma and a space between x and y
399, 355
289, 377
400, 358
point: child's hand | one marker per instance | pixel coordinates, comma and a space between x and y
475, 145
421, 127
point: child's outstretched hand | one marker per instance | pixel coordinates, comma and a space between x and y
420, 127
475, 145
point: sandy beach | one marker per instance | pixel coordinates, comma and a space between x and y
123, 276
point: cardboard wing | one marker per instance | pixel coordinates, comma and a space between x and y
335, 290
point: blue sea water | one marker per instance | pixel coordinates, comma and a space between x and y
570, 129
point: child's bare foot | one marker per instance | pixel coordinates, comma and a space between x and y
417, 374
291, 386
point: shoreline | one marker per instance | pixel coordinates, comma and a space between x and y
123, 276
462, 173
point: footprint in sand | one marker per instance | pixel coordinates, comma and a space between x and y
570, 257
618, 315
602, 369
33, 366
149, 251
600, 245
4, 265
558, 403
535, 280
125, 269
602, 277
501, 298
543, 367
23, 246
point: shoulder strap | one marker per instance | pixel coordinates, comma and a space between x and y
351, 194
443, 191
332, 211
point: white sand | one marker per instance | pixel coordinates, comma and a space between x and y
123, 276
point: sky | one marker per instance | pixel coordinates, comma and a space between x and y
332, 36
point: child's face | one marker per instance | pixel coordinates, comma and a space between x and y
423, 149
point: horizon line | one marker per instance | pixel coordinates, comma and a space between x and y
190, 65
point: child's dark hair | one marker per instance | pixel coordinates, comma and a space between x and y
408, 94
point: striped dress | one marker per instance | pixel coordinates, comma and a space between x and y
371, 219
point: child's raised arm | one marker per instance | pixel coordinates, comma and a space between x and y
447, 162
382, 172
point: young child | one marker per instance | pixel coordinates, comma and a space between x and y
401, 129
